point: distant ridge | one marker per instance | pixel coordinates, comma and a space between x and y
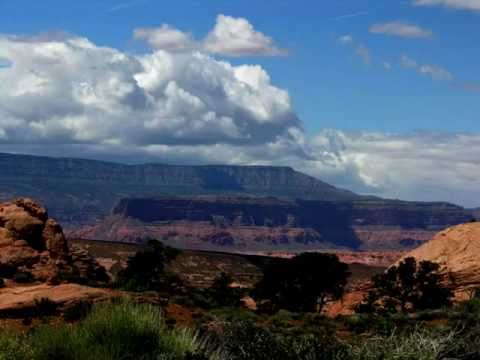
79, 190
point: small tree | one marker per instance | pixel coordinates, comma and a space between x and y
304, 283
146, 269
408, 287
222, 293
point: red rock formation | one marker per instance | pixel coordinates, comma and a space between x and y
32, 243
457, 251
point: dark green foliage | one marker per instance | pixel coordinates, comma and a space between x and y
45, 307
146, 269
221, 292
2, 283
23, 277
407, 287
304, 283
115, 332
7, 271
77, 311
246, 341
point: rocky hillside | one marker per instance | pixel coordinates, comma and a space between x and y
243, 223
457, 250
80, 191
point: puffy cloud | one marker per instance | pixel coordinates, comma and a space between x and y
72, 91
473, 5
401, 29
230, 37
236, 36
416, 166
165, 37
435, 72
70, 97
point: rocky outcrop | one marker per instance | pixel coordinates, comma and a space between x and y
21, 298
457, 251
34, 245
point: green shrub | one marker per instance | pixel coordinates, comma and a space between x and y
13, 347
7, 271
45, 307
246, 341
407, 287
416, 345
221, 292
2, 283
77, 311
23, 277
304, 283
146, 270
121, 331
464, 345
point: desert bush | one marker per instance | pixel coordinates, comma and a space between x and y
14, 347
45, 307
7, 271
417, 345
120, 331
370, 323
2, 283
464, 345
247, 341
23, 277
146, 269
77, 311
222, 293
408, 287
303, 283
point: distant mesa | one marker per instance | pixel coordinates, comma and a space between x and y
219, 206
242, 223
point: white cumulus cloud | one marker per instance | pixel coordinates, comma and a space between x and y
165, 37
72, 91
70, 97
230, 37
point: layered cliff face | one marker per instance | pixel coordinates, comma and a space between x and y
310, 213
457, 251
245, 223
81, 191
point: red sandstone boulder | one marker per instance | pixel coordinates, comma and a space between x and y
32, 243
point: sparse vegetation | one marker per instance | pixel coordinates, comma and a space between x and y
408, 287
23, 277
304, 283
109, 332
146, 269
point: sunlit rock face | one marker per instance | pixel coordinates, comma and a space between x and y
32, 243
457, 251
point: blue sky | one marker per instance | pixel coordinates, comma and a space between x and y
380, 97
329, 85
